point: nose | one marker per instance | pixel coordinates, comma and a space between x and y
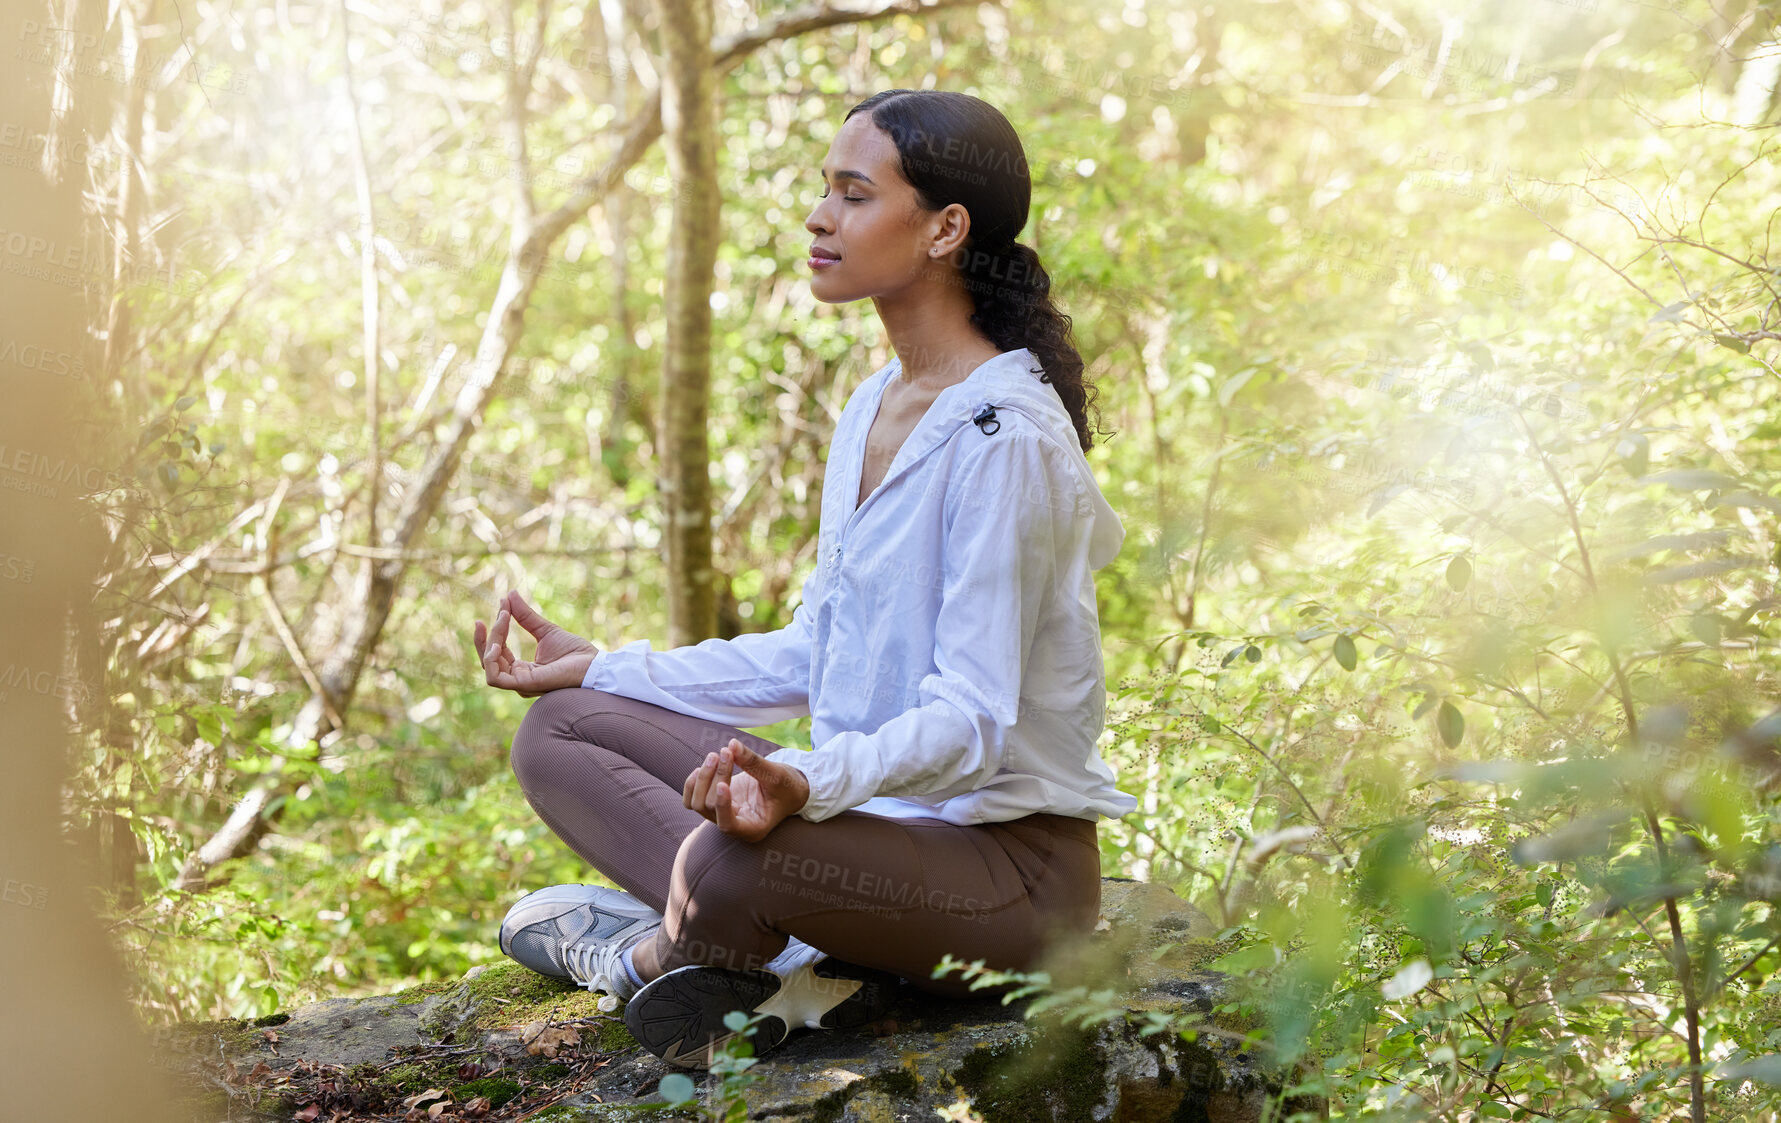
815, 223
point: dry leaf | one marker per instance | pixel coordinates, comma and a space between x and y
438, 1108
422, 1097
550, 1040
478, 1107
308, 1113
530, 1030
1103, 924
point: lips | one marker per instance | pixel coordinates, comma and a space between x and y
819, 254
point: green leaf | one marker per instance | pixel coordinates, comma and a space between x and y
735, 1021
1635, 454
677, 1088
1543, 893
1459, 571
1732, 341
1669, 313
1233, 384
1345, 652
185, 403
1766, 1069
1705, 629
1691, 479
1450, 723
1252, 653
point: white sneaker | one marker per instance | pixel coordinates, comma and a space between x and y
578, 932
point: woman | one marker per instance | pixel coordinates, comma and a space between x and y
947, 649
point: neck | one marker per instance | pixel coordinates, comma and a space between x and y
930, 330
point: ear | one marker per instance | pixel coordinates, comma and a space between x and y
951, 228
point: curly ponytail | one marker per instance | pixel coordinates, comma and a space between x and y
956, 148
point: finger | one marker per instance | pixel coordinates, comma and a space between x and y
726, 815
720, 778
526, 616
702, 782
750, 761
498, 635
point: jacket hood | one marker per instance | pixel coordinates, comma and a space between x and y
1011, 379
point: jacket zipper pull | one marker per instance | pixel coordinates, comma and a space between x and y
985, 418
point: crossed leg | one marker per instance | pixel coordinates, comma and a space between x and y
605, 773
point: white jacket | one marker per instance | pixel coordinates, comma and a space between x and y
948, 648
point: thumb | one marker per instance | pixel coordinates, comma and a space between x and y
526, 616
754, 762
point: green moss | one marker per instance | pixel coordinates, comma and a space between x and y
420, 992
272, 1020
409, 1079
550, 1072
527, 996
497, 1088
896, 1083
1057, 1077
615, 1038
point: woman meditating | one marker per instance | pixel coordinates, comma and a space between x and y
947, 649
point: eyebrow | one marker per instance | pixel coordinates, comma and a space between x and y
849, 173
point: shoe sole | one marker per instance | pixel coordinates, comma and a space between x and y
679, 1016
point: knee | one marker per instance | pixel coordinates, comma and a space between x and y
721, 872
542, 738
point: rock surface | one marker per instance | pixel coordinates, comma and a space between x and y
505, 1044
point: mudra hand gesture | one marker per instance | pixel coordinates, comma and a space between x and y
747, 803
562, 658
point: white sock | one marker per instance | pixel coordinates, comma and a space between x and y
631, 968
797, 954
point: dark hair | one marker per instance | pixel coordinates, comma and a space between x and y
956, 148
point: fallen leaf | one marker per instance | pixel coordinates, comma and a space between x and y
437, 1109
1103, 924
478, 1107
531, 1030
550, 1040
308, 1113
422, 1097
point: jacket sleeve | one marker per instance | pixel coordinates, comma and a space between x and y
1006, 521
754, 679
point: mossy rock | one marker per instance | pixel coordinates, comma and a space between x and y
927, 1055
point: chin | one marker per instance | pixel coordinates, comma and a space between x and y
825, 290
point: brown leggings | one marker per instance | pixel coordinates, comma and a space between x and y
605, 773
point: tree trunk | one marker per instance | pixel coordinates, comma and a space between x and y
615, 452
683, 455
62, 983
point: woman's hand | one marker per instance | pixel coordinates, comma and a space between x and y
562, 658
747, 803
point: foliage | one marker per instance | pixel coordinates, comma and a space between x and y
1441, 353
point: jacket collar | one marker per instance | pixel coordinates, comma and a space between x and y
1008, 379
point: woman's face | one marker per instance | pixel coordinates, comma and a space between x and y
868, 218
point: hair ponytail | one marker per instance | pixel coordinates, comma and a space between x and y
956, 148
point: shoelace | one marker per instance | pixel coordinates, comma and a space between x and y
597, 967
